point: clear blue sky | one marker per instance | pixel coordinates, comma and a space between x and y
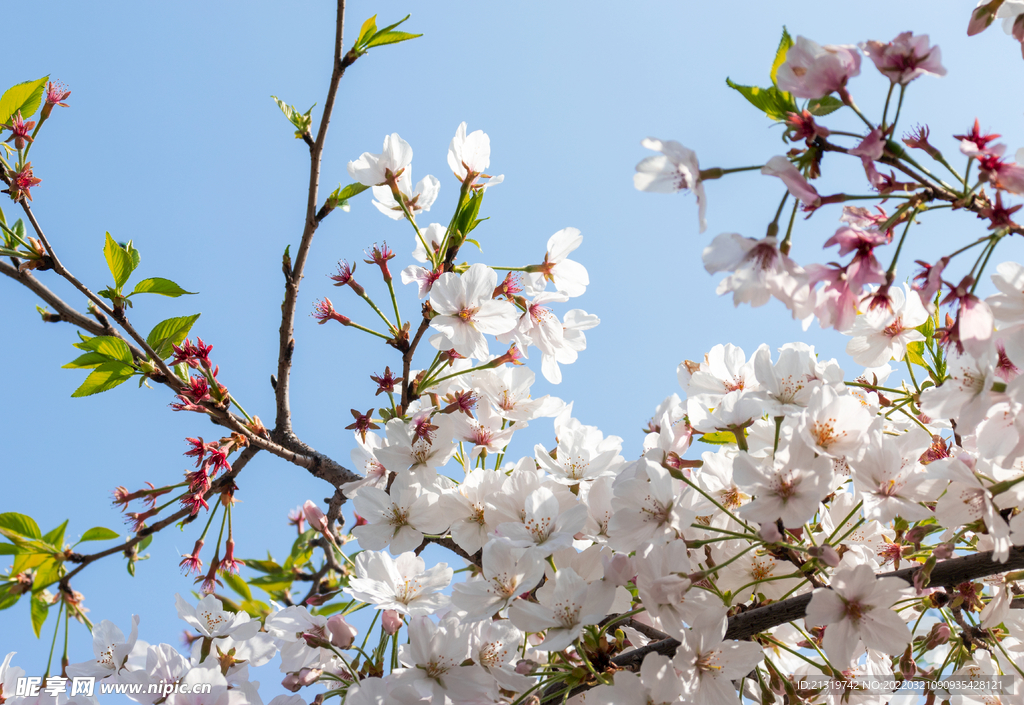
172, 141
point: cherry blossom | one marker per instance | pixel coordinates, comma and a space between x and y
814, 71
374, 169
857, 610
564, 606
404, 584
465, 310
675, 169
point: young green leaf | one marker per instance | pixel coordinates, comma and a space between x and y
7, 549
771, 101
20, 524
718, 438
383, 38
344, 193
237, 584
824, 106
915, 353
108, 346
86, 361
118, 261
156, 285
170, 332
55, 537
24, 97
99, 533
780, 54
104, 378
40, 608
368, 29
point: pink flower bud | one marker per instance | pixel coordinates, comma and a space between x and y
770, 533
316, 518
309, 676
525, 667
342, 633
291, 682
618, 569
826, 554
938, 636
391, 621
943, 551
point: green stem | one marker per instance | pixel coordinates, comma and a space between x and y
995, 241
888, 97
899, 248
53, 643
351, 324
394, 302
873, 387
239, 406
380, 313
786, 244
841, 524
910, 369
899, 107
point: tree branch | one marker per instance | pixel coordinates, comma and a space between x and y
293, 274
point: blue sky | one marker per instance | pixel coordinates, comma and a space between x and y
173, 141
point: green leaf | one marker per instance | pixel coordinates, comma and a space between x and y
344, 193
237, 584
156, 285
915, 353
368, 29
771, 101
86, 361
24, 97
134, 254
119, 262
49, 571
267, 566
273, 582
109, 347
56, 537
40, 609
301, 121
104, 378
718, 438
328, 610
7, 549
390, 27
780, 54
824, 106
20, 524
170, 332
99, 533
382, 38
8, 600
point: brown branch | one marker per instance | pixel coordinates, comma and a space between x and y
293, 274
446, 542
64, 311
948, 573
407, 360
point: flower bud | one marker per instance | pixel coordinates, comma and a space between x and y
618, 569
316, 518
938, 636
525, 667
908, 667
309, 676
770, 533
826, 554
291, 682
391, 621
342, 633
943, 551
